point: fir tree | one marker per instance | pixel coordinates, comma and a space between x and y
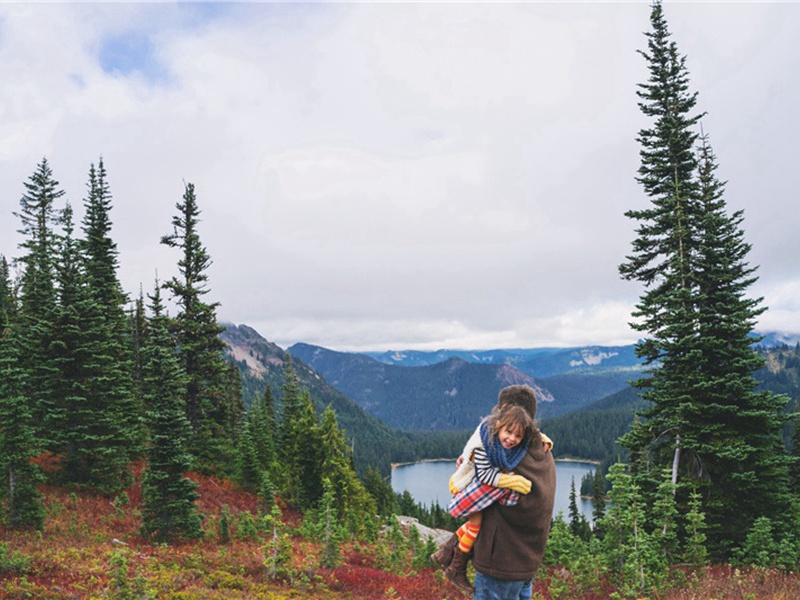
101, 257
37, 296
351, 498
249, 470
705, 422
381, 492
138, 326
8, 308
213, 408
735, 429
21, 503
288, 435
578, 525
695, 552
263, 428
95, 435
168, 510
308, 456
598, 500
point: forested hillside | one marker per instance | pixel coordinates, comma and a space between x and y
592, 431
373, 442
454, 394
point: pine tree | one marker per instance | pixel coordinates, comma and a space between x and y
249, 470
8, 308
168, 497
289, 437
95, 423
37, 296
735, 436
578, 525
308, 454
213, 408
256, 447
598, 501
704, 422
101, 256
381, 492
138, 326
695, 552
263, 428
351, 498
21, 503
665, 247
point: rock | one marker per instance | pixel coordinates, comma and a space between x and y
440, 536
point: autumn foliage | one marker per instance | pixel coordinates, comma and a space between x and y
91, 547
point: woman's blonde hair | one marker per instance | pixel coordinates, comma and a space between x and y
513, 417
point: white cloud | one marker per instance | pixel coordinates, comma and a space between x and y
397, 174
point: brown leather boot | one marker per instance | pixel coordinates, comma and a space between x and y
457, 571
444, 555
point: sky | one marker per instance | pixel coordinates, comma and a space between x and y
399, 175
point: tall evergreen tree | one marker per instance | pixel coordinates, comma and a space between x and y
598, 500
664, 249
138, 325
99, 248
690, 257
21, 503
735, 437
8, 308
101, 258
351, 501
37, 296
94, 420
290, 434
213, 408
264, 428
307, 445
168, 497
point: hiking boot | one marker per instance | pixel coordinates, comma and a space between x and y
444, 555
457, 571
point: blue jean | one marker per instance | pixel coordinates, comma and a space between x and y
489, 588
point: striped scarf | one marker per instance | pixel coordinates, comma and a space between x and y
499, 457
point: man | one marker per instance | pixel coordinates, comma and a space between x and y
509, 549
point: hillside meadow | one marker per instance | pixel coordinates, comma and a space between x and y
91, 548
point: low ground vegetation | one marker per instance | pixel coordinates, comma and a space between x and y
91, 547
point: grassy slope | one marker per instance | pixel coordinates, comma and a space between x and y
73, 558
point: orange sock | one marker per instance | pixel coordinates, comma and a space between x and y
466, 536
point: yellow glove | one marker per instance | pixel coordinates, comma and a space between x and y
453, 489
548, 443
518, 483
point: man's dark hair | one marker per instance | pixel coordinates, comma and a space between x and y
520, 395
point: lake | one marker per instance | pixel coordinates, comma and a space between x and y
427, 482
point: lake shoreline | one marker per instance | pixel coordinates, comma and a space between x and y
453, 460
427, 482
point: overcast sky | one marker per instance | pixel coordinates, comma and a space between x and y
399, 175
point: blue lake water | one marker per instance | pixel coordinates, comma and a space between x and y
427, 482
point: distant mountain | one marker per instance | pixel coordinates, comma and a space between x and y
570, 379
419, 358
262, 363
591, 431
586, 359
537, 362
453, 394
779, 338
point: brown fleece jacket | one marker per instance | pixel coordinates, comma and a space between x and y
511, 542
